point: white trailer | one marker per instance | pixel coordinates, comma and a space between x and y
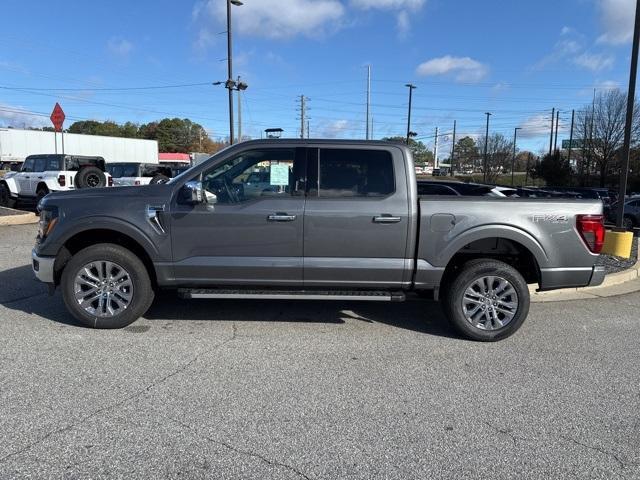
16, 145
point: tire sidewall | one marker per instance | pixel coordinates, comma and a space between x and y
85, 172
458, 285
142, 290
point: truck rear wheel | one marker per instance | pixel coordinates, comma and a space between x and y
106, 286
487, 300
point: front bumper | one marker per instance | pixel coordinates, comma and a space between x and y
42, 267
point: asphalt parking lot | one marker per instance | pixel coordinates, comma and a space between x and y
273, 390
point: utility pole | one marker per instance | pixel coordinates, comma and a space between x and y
368, 99
453, 148
435, 151
239, 113
631, 96
303, 112
513, 160
486, 146
555, 142
411, 88
230, 71
573, 117
593, 115
526, 173
308, 134
553, 114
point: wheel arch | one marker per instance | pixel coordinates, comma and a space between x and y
129, 239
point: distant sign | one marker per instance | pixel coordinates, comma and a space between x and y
57, 117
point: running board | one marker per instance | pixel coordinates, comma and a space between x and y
344, 295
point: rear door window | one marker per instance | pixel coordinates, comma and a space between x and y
53, 164
350, 172
40, 164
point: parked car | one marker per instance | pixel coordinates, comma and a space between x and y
345, 223
44, 174
131, 173
631, 218
454, 188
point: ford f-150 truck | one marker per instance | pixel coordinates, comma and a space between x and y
338, 220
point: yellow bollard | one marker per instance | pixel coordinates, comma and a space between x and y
617, 243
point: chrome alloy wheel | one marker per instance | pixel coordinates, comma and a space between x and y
490, 303
103, 288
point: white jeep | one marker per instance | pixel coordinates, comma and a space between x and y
135, 173
42, 174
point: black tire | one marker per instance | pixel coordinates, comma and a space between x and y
90, 177
455, 307
142, 291
159, 179
41, 193
5, 197
628, 223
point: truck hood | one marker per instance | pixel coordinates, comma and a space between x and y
143, 191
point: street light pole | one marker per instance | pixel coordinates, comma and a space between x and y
631, 97
486, 145
411, 88
513, 160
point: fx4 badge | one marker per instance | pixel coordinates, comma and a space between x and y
550, 218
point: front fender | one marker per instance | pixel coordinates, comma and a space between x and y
68, 229
12, 185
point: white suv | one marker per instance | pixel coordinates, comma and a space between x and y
134, 173
42, 174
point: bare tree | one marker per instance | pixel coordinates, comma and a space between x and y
601, 128
499, 153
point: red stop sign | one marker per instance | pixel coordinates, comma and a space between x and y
57, 117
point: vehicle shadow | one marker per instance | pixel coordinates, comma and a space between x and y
20, 291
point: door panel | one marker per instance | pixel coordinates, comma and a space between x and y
252, 239
356, 219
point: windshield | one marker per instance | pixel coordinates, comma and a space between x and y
119, 170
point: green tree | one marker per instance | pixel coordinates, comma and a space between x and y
421, 154
466, 153
554, 170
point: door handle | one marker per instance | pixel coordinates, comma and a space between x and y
27, 177
281, 217
386, 219
40, 178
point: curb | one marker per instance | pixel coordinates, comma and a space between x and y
610, 280
18, 218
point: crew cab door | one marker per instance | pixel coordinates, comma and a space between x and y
249, 236
23, 178
356, 218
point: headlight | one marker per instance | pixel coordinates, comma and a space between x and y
48, 220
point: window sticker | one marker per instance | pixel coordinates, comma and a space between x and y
279, 175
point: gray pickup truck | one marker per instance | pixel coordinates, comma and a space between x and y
326, 220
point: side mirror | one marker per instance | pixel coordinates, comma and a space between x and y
193, 193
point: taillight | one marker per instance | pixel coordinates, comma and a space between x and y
110, 181
591, 229
62, 180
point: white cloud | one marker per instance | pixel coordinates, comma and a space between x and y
617, 17
539, 125
403, 23
464, 69
18, 117
276, 18
119, 46
336, 128
388, 4
566, 30
594, 61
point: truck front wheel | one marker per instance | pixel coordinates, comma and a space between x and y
487, 300
106, 286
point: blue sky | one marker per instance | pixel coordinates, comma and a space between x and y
513, 58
